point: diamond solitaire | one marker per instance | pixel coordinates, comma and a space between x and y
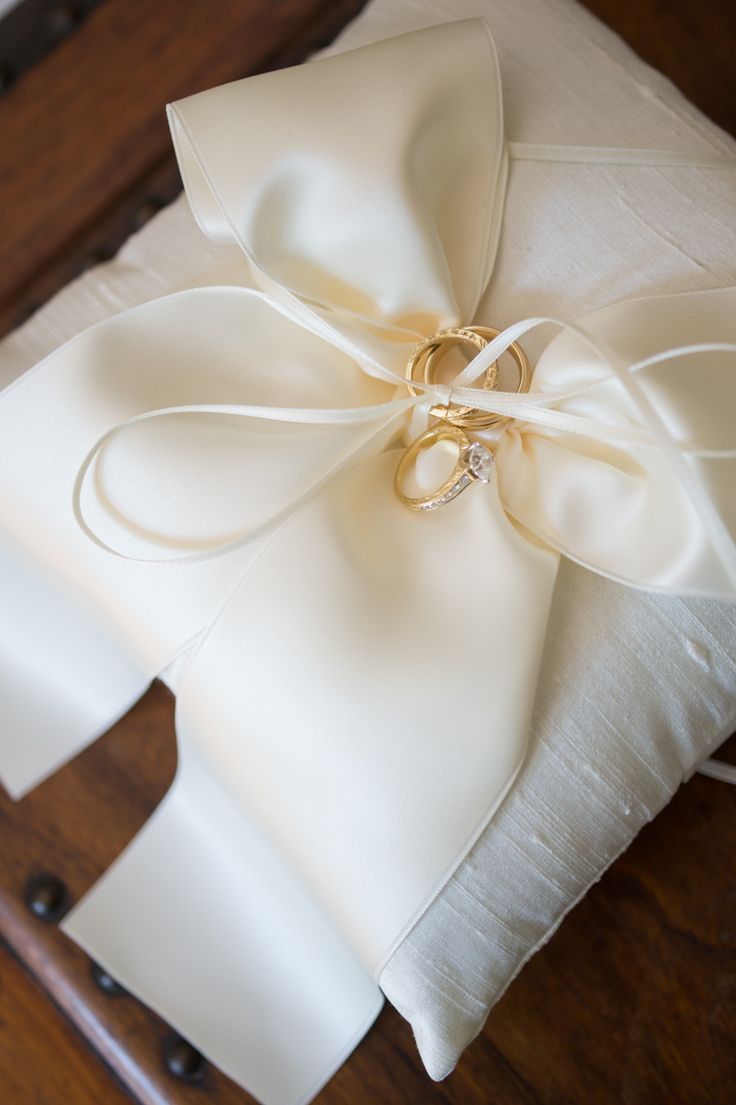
479, 461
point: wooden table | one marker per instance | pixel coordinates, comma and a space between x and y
634, 1000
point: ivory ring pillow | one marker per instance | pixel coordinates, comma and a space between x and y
636, 689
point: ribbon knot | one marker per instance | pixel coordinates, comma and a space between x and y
441, 395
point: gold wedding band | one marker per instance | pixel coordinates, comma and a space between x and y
425, 355
473, 465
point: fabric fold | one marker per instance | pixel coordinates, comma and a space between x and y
391, 213
622, 509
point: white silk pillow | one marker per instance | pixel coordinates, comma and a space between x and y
574, 239
607, 645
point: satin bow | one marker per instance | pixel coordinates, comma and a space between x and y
368, 248
358, 679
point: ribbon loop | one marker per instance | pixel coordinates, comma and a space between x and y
304, 200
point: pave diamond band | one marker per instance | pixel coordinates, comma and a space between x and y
474, 465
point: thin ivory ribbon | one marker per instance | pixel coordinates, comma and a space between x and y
356, 684
533, 410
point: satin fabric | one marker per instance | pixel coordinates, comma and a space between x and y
380, 709
385, 219
619, 508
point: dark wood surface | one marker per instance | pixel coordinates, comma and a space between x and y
49, 1062
85, 143
634, 999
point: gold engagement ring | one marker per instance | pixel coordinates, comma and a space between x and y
473, 465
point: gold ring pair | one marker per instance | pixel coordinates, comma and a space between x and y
474, 459
427, 355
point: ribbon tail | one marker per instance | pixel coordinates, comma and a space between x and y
202, 920
53, 639
347, 726
391, 662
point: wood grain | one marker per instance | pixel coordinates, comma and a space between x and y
83, 130
634, 999
42, 1060
691, 43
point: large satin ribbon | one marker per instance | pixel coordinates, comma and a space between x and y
361, 693
615, 459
